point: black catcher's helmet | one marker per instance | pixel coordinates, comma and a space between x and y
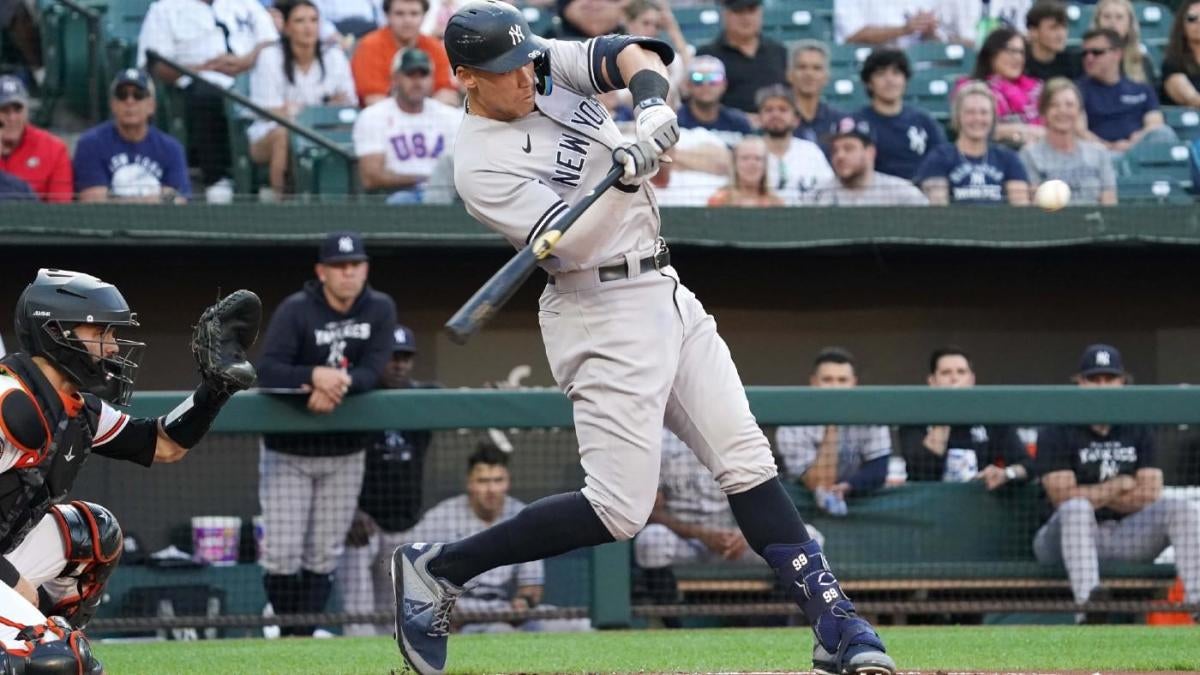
47, 314
494, 36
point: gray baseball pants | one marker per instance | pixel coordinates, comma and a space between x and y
1076, 539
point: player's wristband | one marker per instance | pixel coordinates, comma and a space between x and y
9, 573
646, 85
190, 420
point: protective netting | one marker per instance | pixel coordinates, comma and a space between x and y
252, 527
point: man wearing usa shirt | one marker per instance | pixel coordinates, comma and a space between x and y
1105, 495
399, 140
31, 154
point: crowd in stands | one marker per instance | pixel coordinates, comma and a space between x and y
1055, 110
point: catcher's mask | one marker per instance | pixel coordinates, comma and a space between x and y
47, 315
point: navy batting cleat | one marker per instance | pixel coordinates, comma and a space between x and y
423, 606
846, 644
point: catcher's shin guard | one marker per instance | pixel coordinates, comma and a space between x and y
93, 543
849, 639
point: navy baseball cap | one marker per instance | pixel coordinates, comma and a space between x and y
12, 90
340, 247
137, 77
856, 128
404, 341
1101, 359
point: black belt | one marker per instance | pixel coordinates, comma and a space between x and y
649, 263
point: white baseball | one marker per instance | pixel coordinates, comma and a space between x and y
1052, 195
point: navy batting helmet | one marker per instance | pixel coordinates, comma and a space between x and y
495, 37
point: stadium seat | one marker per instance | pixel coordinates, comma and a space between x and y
1169, 161
1154, 190
540, 21
1154, 20
931, 91
845, 93
1185, 121
941, 55
700, 25
325, 117
788, 24
319, 172
247, 176
1079, 18
849, 56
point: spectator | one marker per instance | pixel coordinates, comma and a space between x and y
808, 76
1103, 495
903, 133
1120, 17
19, 24
329, 340
691, 522
13, 189
904, 24
33, 155
342, 19
1083, 165
835, 461
748, 184
752, 60
706, 86
1181, 63
390, 501
296, 73
702, 163
1001, 64
398, 140
585, 19
1120, 113
374, 58
487, 502
651, 18
971, 170
794, 165
855, 182
439, 14
221, 40
1048, 55
126, 158
955, 454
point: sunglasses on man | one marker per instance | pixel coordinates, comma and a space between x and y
1096, 52
127, 93
707, 78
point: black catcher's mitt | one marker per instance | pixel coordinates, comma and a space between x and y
220, 340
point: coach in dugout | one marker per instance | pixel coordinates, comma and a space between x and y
1105, 494
329, 340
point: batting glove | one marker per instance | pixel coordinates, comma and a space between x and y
639, 159
656, 122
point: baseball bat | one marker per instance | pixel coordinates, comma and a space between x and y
504, 283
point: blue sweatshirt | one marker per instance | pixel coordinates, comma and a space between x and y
306, 332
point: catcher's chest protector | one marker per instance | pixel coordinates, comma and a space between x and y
27, 491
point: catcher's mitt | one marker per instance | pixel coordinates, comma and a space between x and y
220, 340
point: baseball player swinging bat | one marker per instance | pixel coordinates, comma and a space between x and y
504, 283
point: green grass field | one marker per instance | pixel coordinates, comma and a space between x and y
1007, 648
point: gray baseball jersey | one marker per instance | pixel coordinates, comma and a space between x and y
688, 488
857, 445
634, 353
452, 520
519, 177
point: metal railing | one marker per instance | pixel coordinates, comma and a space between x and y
311, 135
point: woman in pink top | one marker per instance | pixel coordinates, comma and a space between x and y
1001, 64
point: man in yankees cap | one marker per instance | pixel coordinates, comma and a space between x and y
629, 343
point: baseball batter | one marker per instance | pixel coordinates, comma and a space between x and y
628, 343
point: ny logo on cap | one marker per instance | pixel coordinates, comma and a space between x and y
346, 245
1103, 358
516, 34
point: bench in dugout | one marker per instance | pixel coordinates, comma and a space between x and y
926, 548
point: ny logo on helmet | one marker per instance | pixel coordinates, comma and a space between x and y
1103, 358
346, 245
516, 34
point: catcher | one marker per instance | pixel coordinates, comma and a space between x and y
57, 398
